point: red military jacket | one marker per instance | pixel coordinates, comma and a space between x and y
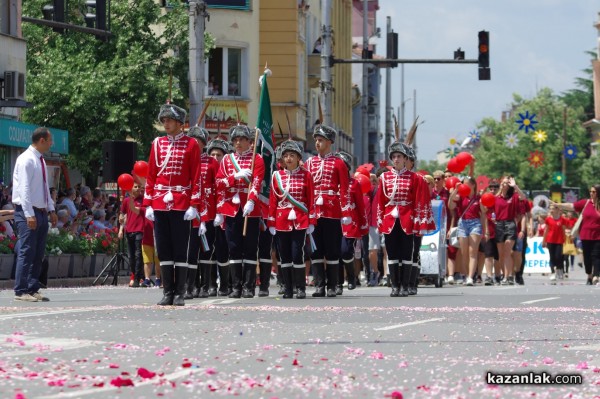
330, 178
360, 224
404, 195
291, 190
208, 174
173, 168
228, 186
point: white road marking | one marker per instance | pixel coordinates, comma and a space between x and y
91, 391
412, 323
49, 344
45, 313
224, 301
595, 347
540, 300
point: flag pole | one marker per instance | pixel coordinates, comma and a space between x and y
256, 136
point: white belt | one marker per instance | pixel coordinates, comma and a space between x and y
161, 187
238, 190
326, 192
402, 203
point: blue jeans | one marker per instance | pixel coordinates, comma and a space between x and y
30, 249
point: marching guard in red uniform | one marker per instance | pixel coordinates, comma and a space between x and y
172, 193
404, 209
291, 216
332, 206
353, 232
201, 260
236, 201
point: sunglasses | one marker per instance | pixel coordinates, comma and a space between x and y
494, 187
437, 178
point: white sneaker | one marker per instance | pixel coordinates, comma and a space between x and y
553, 277
25, 298
38, 295
451, 280
469, 281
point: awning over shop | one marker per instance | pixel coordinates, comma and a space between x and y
18, 134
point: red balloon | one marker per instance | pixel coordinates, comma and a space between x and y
451, 182
454, 166
488, 200
464, 190
364, 181
140, 168
363, 171
125, 181
464, 158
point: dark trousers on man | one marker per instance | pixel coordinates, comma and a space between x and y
265, 264
326, 258
30, 249
399, 246
134, 248
243, 252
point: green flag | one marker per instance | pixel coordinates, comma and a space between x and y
265, 145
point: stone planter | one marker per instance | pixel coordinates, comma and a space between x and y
100, 261
6, 266
78, 266
58, 266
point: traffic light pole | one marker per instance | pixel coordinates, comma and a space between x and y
64, 25
389, 62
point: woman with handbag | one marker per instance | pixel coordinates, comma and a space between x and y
587, 228
471, 225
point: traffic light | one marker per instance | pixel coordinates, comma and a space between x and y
392, 48
55, 12
484, 55
98, 18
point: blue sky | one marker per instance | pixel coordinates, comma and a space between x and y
533, 44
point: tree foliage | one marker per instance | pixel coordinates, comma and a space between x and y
106, 90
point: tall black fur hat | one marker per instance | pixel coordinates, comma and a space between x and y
347, 158
397, 146
219, 145
172, 111
289, 145
240, 131
325, 131
198, 132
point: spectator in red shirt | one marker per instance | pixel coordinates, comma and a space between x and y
133, 229
554, 238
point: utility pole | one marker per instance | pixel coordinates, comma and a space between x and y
389, 128
326, 53
414, 143
197, 15
365, 84
564, 146
402, 102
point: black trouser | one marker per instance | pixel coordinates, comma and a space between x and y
591, 256
243, 250
347, 260
556, 256
222, 255
206, 262
399, 246
265, 263
327, 236
172, 234
134, 248
291, 248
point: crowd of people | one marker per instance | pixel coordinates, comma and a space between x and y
198, 220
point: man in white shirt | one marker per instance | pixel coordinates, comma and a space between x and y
33, 206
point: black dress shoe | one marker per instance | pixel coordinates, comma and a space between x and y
212, 291
202, 293
319, 292
395, 292
281, 290
351, 286
235, 294
301, 294
247, 293
223, 293
189, 295
263, 294
178, 300
331, 293
167, 300
288, 295
412, 291
196, 293
403, 292
338, 290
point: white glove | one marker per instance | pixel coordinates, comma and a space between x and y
202, 229
219, 219
150, 214
346, 220
311, 229
248, 208
243, 173
191, 213
272, 230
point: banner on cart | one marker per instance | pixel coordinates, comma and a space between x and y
537, 259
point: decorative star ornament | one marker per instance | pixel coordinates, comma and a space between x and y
557, 177
540, 136
527, 122
536, 158
451, 151
571, 152
511, 140
570, 196
453, 142
475, 136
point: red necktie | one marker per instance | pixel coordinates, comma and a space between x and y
45, 185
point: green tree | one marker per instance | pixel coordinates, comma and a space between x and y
106, 90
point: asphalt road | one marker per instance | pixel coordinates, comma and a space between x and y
86, 342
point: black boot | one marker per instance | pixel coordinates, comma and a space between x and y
404, 279
300, 282
191, 281
249, 285
204, 279
166, 273
319, 279
350, 276
393, 279
180, 280
235, 271
332, 271
265, 277
212, 289
288, 281
414, 279
223, 280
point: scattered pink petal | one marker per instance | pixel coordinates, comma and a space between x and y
596, 370
582, 366
121, 382
403, 364
57, 383
210, 371
524, 364
548, 360
163, 351
113, 366
20, 396
186, 365
41, 359
295, 362
396, 395
424, 388
145, 373
337, 371
376, 355
98, 384
520, 350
